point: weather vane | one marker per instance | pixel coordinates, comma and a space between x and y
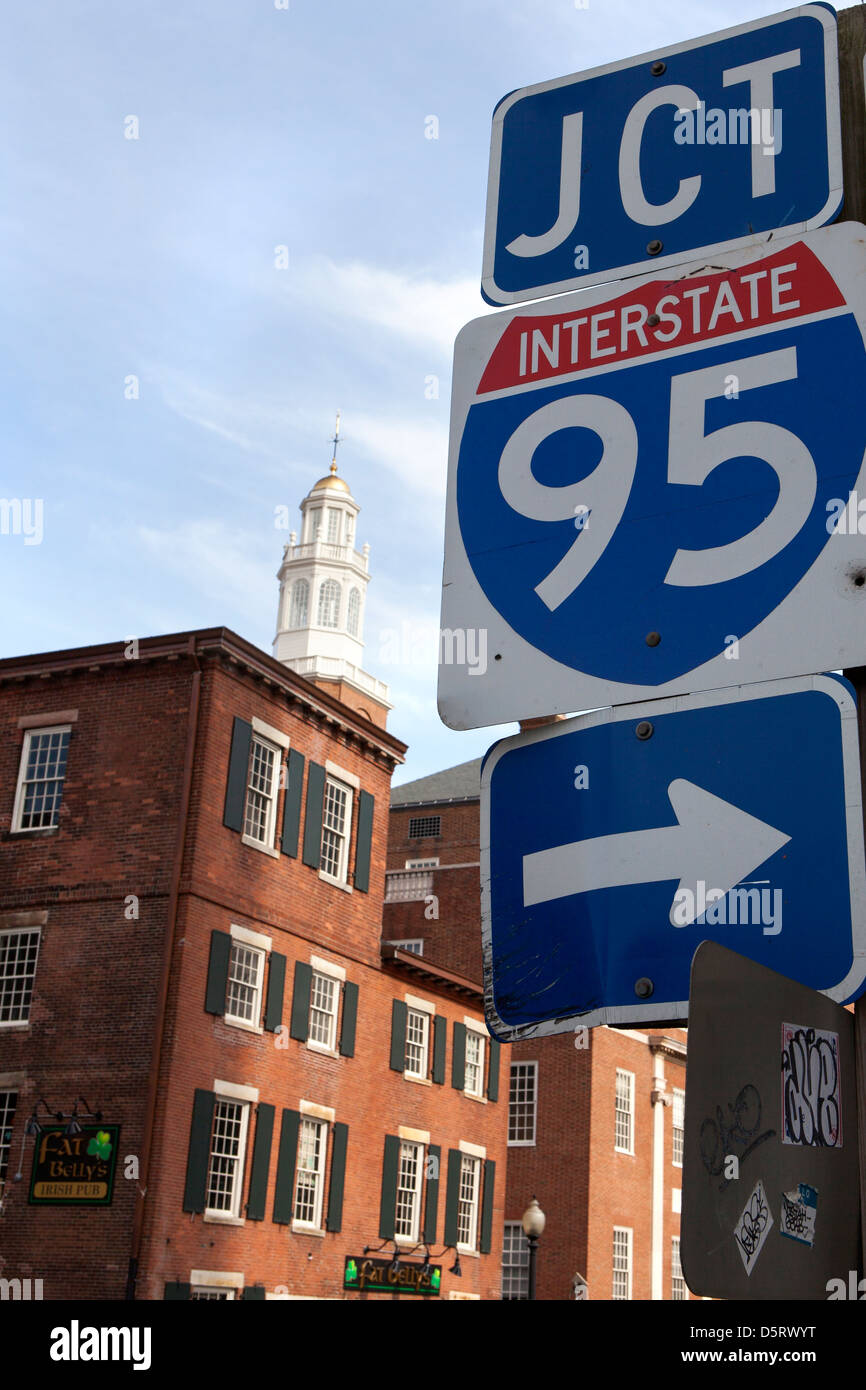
335, 441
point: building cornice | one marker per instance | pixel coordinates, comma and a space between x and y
412, 964
216, 643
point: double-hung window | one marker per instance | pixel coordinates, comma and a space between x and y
324, 1003
410, 1174
336, 829
473, 1083
19, 950
227, 1153
679, 1112
244, 993
522, 1100
417, 1043
467, 1202
624, 1112
263, 780
40, 778
622, 1246
678, 1283
515, 1262
310, 1179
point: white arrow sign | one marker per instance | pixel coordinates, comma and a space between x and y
713, 841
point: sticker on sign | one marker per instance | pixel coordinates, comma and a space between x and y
650, 487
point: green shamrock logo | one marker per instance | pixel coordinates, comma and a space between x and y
100, 1144
351, 1272
436, 1277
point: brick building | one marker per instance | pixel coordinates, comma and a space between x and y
216, 1082
595, 1118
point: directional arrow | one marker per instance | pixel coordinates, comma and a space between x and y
713, 841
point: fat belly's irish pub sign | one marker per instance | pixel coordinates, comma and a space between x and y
74, 1170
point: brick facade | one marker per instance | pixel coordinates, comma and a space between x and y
584, 1186
123, 1013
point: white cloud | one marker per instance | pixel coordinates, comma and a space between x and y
415, 450
217, 560
421, 309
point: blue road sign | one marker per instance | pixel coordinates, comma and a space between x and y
650, 485
733, 816
690, 149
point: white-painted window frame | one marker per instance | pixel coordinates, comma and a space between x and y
622, 1073
628, 1246
523, 1143
21, 785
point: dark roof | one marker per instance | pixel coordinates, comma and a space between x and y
460, 783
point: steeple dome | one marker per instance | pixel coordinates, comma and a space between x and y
323, 586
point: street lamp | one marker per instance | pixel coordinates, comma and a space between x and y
533, 1222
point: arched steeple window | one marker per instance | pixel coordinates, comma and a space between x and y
329, 604
300, 603
353, 613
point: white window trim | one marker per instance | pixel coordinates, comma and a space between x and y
228, 1090
628, 1231
525, 1143
317, 1112
269, 733
232, 1090
428, 1014
622, 1071
340, 774
353, 785
242, 936
58, 717
250, 938
414, 1238
473, 1026
406, 944
314, 1228
419, 864
263, 846
16, 827
333, 972
678, 1091
413, 1136
327, 967
478, 1153
217, 1278
13, 1023
422, 1005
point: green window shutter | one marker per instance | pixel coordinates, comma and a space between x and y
284, 1188
253, 1293
313, 818
261, 1163
334, 1218
199, 1151
431, 1197
177, 1291
292, 807
458, 1057
388, 1203
276, 989
299, 1026
350, 1018
218, 972
440, 1041
236, 785
487, 1207
452, 1196
365, 840
493, 1071
399, 1014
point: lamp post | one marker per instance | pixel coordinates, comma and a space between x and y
533, 1221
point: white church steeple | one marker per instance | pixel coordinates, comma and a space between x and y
323, 589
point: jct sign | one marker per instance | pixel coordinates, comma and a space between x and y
646, 483
678, 152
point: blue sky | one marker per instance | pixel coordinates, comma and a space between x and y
154, 257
